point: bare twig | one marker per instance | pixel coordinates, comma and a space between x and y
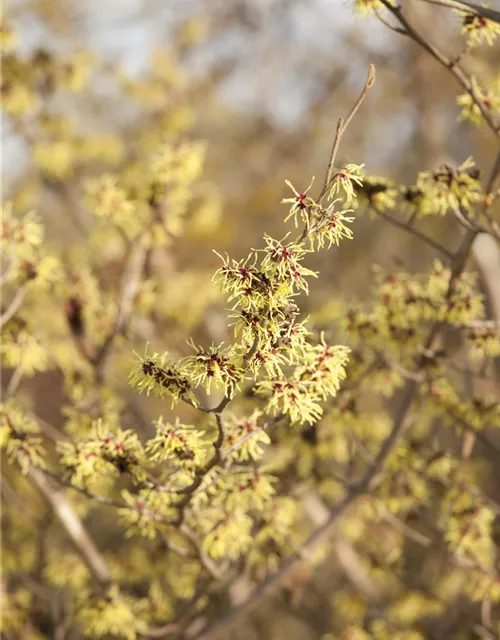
8, 271
494, 175
73, 525
342, 126
345, 553
414, 232
11, 495
13, 307
118, 504
206, 562
386, 22
14, 382
201, 473
130, 284
451, 65
403, 528
461, 5
48, 429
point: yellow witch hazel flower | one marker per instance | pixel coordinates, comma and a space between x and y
282, 261
318, 377
77, 71
449, 189
67, 570
8, 37
183, 444
478, 29
278, 519
231, 538
377, 192
147, 513
483, 587
469, 527
103, 456
489, 97
17, 606
20, 437
244, 488
22, 350
110, 203
255, 439
291, 397
484, 342
333, 228
181, 163
345, 181
56, 159
117, 614
156, 373
323, 367
20, 235
303, 206
213, 366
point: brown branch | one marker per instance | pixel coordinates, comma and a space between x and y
469, 7
74, 527
415, 232
11, 495
226, 623
403, 528
6, 273
367, 483
451, 65
224, 456
342, 126
201, 473
13, 307
110, 502
130, 284
206, 562
14, 382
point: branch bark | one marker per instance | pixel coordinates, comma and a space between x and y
74, 527
470, 7
451, 65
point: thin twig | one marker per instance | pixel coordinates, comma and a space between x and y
73, 525
403, 528
8, 271
386, 22
451, 65
206, 562
11, 495
413, 231
14, 382
342, 126
469, 7
201, 473
107, 501
13, 307
130, 284
494, 175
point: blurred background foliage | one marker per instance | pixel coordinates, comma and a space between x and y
261, 84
